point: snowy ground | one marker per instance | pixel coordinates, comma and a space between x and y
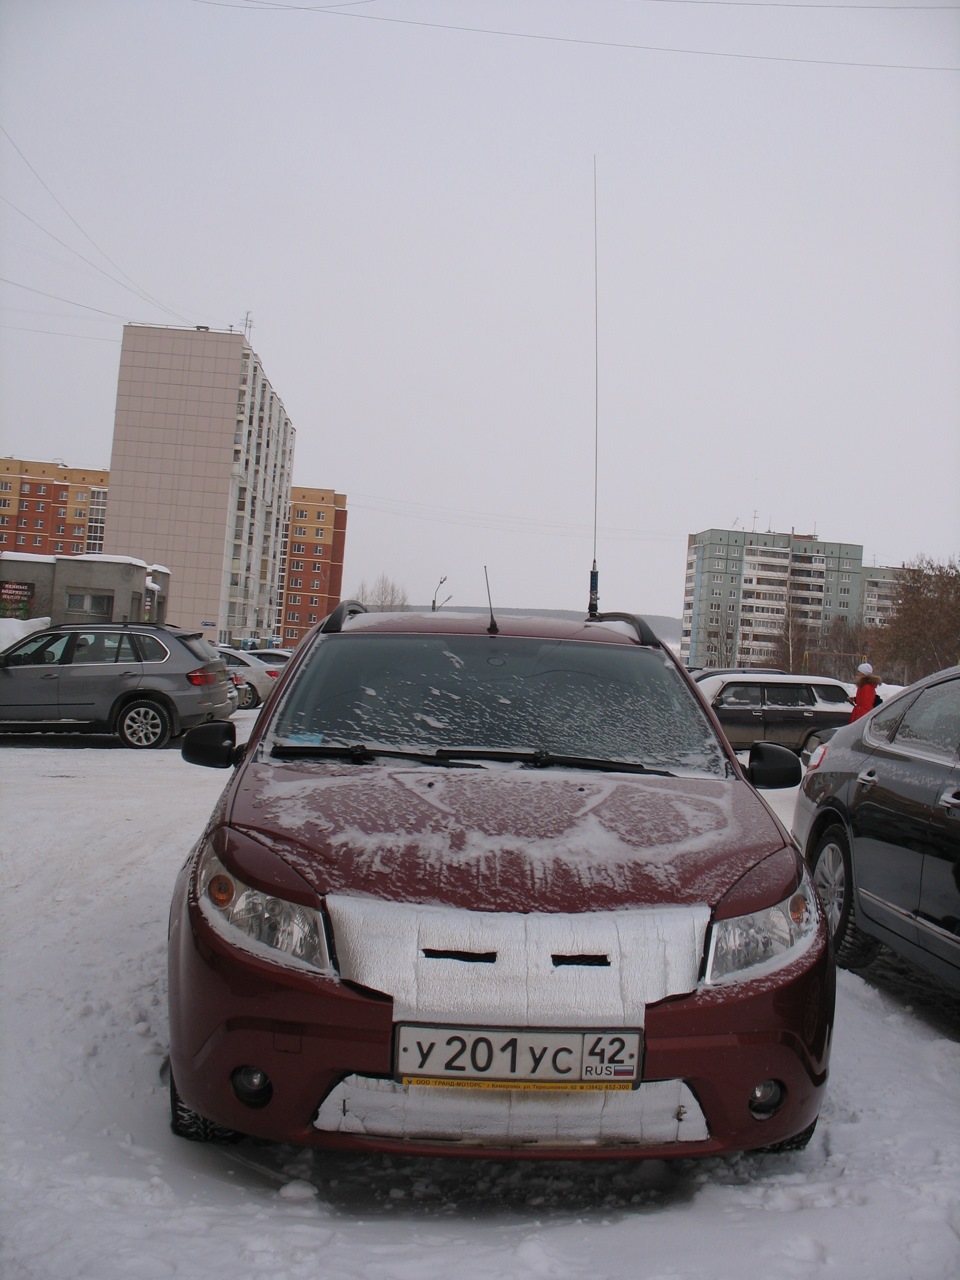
95, 1185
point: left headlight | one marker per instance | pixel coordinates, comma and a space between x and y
748, 946
269, 926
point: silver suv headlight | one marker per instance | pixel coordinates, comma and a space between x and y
262, 923
746, 947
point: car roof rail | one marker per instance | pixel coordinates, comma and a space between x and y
344, 610
644, 633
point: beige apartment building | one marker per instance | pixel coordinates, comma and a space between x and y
200, 476
48, 508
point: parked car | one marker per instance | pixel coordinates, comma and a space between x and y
790, 710
878, 819
495, 889
144, 683
273, 657
258, 676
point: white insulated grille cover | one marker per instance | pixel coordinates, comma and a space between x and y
514, 969
660, 1112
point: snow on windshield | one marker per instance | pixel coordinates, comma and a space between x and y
428, 692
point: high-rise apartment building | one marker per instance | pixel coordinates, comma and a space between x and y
741, 587
312, 559
48, 508
200, 476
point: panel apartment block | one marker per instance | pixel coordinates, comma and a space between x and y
740, 585
200, 475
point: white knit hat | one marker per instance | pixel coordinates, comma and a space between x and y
865, 669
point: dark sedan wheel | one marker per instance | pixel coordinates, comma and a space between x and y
144, 723
833, 876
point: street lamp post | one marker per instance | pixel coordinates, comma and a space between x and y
434, 606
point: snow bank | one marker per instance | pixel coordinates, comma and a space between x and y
95, 1187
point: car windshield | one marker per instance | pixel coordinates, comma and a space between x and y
430, 693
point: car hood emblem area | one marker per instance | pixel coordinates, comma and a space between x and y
513, 969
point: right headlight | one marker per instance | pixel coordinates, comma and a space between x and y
269, 926
746, 947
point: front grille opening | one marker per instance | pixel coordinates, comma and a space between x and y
596, 962
467, 957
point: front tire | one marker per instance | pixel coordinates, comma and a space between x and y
833, 876
143, 724
187, 1124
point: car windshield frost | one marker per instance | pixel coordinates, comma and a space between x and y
428, 693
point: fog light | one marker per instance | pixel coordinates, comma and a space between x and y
766, 1098
252, 1086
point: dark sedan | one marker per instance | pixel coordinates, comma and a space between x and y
878, 818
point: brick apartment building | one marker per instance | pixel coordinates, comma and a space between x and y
312, 562
48, 508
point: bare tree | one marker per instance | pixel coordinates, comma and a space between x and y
385, 596
923, 632
795, 641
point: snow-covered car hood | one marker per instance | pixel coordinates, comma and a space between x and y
500, 837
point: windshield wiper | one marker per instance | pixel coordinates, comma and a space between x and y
540, 759
357, 753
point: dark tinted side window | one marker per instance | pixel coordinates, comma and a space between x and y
39, 650
831, 693
739, 695
788, 695
933, 720
152, 649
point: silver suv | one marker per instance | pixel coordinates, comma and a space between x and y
144, 683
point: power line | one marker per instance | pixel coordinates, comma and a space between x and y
140, 290
144, 297
56, 297
598, 44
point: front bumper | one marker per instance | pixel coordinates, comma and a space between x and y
327, 1047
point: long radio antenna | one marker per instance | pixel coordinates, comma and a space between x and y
593, 606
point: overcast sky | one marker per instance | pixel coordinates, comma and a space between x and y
400, 196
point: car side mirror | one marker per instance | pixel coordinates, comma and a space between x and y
770, 765
213, 744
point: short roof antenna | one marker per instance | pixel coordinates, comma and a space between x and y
493, 629
593, 605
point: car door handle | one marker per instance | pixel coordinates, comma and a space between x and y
949, 799
50, 675
867, 778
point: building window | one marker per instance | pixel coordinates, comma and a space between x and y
4, 521
42, 488
296, 582
38, 542
24, 488
77, 548
5, 486
301, 513
294, 600
58, 546
298, 548
296, 564
300, 531
79, 513
4, 502
41, 506
63, 496
38, 524
21, 540
62, 512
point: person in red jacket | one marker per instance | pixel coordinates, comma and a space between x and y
866, 695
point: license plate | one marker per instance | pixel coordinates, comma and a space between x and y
497, 1057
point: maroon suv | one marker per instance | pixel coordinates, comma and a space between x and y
500, 888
